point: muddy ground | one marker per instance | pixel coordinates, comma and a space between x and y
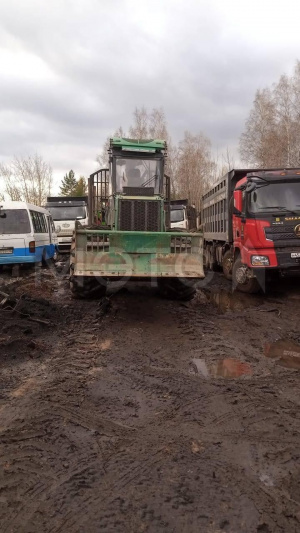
135, 414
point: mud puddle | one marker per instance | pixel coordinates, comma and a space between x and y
226, 368
285, 352
232, 301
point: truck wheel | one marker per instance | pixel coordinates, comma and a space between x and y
227, 263
177, 288
242, 280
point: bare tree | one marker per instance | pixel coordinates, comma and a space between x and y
260, 141
189, 165
146, 125
287, 126
195, 167
140, 127
228, 162
158, 126
102, 158
272, 132
28, 179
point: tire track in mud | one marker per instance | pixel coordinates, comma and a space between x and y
113, 433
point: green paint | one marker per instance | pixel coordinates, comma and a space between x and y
136, 144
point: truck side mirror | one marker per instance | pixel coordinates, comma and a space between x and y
236, 212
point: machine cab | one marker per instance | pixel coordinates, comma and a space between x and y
137, 167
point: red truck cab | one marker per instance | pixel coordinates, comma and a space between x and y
251, 222
266, 226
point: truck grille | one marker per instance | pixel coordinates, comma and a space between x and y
281, 235
140, 215
65, 232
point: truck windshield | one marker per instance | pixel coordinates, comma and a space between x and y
177, 215
67, 212
277, 196
138, 173
14, 221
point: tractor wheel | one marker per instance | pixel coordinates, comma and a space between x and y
242, 280
227, 263
177, 288
83, 287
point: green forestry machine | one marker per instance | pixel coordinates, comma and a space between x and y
129, 234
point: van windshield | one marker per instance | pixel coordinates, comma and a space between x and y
72, 212
14, 221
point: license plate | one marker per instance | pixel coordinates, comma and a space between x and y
295, 255
66, 239
6, 250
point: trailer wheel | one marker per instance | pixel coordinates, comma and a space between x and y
177, 288
242, 281
227, 264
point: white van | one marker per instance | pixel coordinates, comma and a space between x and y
27, 234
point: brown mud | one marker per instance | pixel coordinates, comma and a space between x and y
137, 414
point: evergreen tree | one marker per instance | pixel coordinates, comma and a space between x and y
81, 187
69, 184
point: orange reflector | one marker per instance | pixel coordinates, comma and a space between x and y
32, 247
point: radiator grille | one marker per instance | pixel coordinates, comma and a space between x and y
281, 233
139, 215
97, 242
181, 245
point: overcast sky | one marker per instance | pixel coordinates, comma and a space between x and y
72, 71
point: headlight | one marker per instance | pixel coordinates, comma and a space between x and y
260, 260
58, 229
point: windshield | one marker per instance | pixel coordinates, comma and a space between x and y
177, 215
14, 221
138, 173
65, 212
284, 196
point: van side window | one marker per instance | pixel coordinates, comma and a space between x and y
39, 222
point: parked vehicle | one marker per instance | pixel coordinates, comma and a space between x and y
251, 222
182, 215
136, 242
65, 211
178, 217
27, 234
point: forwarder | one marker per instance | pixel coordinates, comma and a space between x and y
136, 242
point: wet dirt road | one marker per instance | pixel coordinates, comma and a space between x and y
136, 414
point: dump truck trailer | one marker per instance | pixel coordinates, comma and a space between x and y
251, 221
129, 234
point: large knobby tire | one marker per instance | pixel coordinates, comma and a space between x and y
177, 288
241, 281
227, 264
84, 287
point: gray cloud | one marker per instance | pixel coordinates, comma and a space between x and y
72, 72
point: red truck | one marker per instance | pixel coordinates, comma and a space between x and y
251, 223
